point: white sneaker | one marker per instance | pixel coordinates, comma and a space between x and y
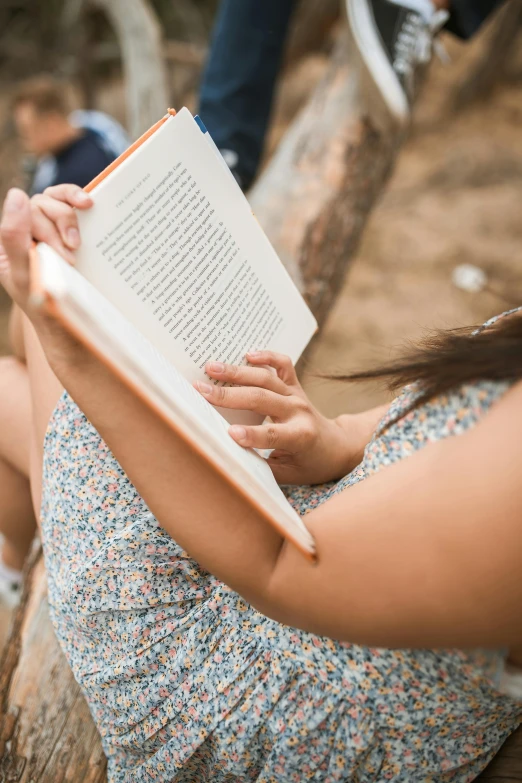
395, 40
10, 586
9, 594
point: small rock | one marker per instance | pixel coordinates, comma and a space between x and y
469, 278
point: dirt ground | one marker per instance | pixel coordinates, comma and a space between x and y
455, 198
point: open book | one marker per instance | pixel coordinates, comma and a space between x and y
175, 271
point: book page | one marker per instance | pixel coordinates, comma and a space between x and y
171, 241
132, 355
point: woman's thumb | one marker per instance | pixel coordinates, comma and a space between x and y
15, 236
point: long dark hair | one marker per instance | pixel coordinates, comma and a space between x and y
445, 360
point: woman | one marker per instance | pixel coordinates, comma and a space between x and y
192, 680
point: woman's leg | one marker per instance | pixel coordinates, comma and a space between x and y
17, 519
28, 393
45, 391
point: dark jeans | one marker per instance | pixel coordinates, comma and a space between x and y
240, 76
245, 56
468, 15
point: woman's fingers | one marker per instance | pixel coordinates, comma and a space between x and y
70, 194
250, 398
292, 437
44, 229
61, 215
279, 361
15, 236
243, 375
55, 220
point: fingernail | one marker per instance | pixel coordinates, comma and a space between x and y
14, 200
73, 237
204, 388
238, 432
82, 197
216, 367
254, 354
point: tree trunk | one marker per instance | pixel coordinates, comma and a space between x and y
313, 201
140, 38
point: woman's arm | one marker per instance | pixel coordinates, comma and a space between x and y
427, 552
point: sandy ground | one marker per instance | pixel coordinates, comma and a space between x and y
455, 197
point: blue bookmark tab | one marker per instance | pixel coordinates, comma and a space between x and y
201, 123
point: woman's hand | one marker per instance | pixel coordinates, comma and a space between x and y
308, 447
50, 218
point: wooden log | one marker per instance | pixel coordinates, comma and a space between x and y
506, 767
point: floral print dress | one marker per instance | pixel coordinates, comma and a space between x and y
187, 683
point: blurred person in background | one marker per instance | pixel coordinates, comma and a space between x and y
394, 38
66, 147
238, 85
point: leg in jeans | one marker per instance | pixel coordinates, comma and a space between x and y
466, 16
239, 80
